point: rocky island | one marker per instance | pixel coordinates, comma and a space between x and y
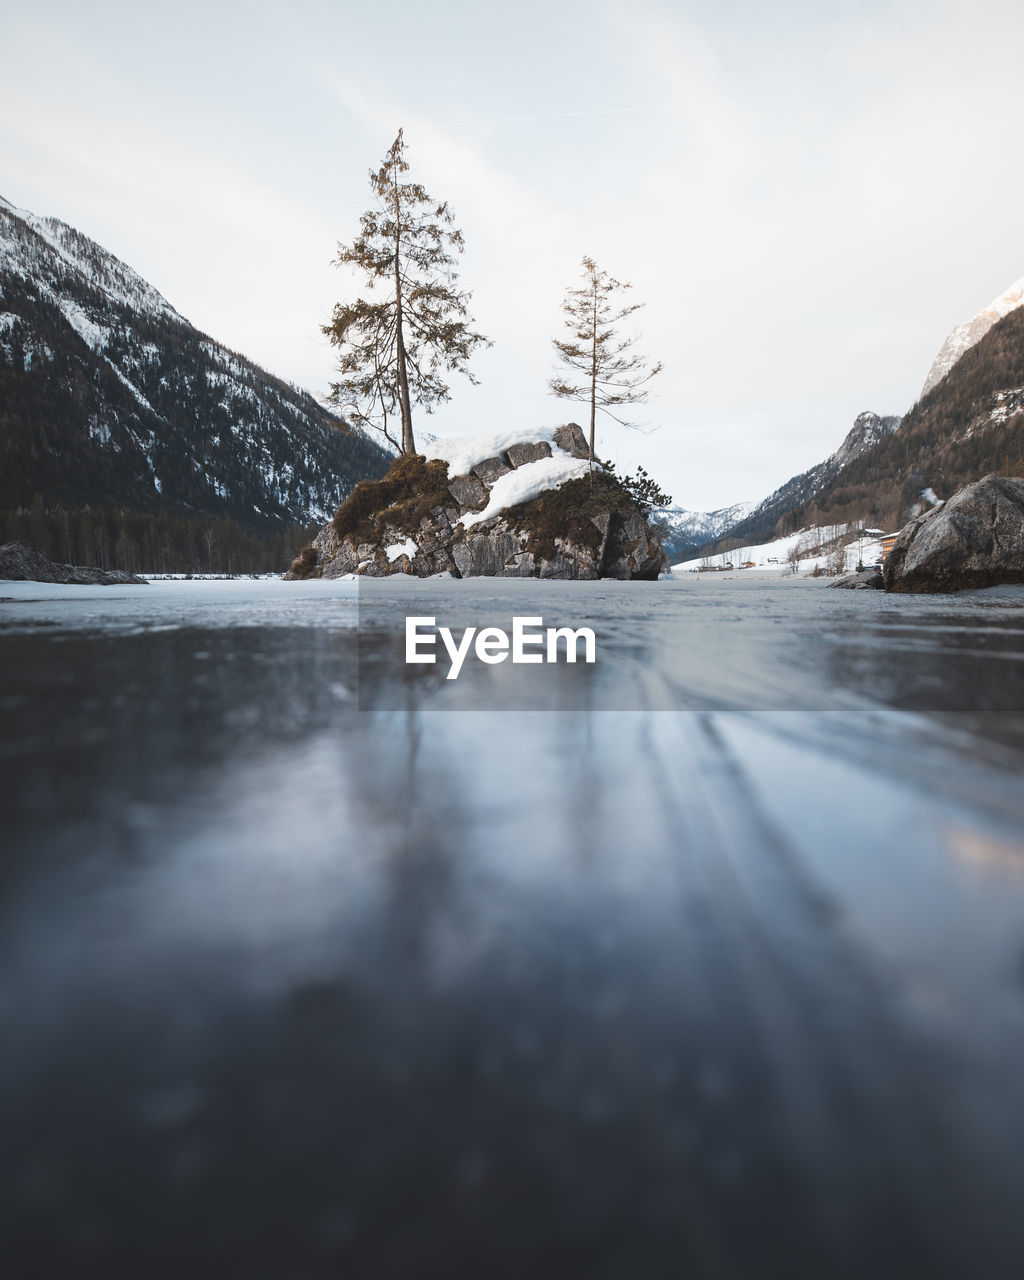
508, 505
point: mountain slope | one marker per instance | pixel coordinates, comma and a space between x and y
970, 424
108, 397
782, 510
966, 335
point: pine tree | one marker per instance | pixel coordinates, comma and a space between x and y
603, 370
395, 349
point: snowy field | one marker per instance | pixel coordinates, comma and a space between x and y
802, 546
717, 958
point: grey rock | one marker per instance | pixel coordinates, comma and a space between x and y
865, 580
572, 440
468, 491
527, 451
20, 562
976, 539
603, 524
571, 562
327, 543
523, 565
489, 551
345, 561
440, 560
491, 469
636, 553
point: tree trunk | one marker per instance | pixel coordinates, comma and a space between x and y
408, 443
593, 383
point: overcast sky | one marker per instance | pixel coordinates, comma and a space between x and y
806, 195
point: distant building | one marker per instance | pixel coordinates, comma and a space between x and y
888, 542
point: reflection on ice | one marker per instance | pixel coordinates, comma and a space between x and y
701, 985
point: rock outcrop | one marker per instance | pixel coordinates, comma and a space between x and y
976, 539
864, 580
412, 521
20, 562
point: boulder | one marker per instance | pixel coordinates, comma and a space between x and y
468, 491
864, 580
637, 553
976, 539
572, 440
491, 469
527, 451
20, 562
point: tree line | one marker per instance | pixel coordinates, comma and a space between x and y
113, 538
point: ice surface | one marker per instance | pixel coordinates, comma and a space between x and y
584, 976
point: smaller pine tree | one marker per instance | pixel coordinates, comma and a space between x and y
603, 370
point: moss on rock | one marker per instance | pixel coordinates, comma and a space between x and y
405, 495
568, 513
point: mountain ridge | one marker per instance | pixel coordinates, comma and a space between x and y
970, 332
683, 530
965, 424
770, 515
111, 398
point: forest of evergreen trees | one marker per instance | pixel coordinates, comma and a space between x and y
110, 538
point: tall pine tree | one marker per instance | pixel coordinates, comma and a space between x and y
396, 345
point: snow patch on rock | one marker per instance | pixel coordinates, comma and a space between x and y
463, 453
406, 548
527, 482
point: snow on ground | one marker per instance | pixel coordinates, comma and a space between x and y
463, 453
774, 556
527, 482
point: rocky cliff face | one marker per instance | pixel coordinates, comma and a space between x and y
422, 520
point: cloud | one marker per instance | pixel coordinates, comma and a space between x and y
806, 197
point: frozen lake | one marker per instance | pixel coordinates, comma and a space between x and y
706, 960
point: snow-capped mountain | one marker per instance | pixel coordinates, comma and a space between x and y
111, 398
686, 531
762, 520
970, 332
